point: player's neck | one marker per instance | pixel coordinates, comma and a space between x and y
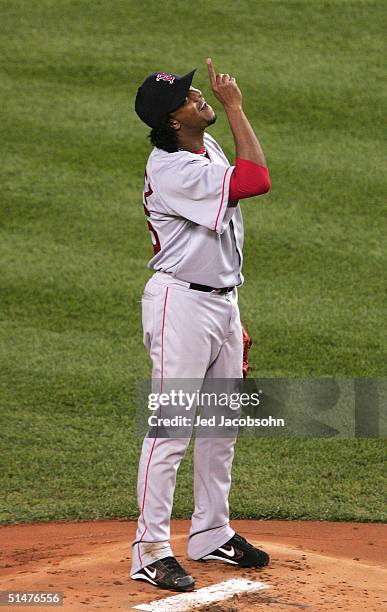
191, 142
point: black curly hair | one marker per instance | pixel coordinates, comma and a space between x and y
164, 136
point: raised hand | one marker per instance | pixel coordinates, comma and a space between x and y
224, 87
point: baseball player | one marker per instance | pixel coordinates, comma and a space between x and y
190, 314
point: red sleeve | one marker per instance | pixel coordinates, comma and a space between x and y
248, 179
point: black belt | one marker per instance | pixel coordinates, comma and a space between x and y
208, 289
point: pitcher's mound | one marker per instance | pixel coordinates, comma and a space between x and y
314, 565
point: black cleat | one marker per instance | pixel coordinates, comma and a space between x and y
166, 573
238, 551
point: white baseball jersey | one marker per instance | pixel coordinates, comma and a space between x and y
196, 236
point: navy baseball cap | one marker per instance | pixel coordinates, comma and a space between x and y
161, 93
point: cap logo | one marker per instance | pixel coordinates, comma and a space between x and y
163, 76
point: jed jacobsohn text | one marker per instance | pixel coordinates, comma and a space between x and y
222, 421
185, 400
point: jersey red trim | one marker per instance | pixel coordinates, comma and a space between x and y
222, 198
201, 151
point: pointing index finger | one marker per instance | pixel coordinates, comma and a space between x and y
211, 71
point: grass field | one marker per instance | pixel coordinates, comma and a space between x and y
75, 245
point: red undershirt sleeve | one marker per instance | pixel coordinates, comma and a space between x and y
248, 179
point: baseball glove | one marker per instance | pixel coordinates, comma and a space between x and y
247, 342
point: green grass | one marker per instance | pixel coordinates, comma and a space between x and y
74, 243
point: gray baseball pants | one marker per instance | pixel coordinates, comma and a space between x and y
189, 335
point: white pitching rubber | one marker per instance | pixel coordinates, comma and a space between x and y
206, 595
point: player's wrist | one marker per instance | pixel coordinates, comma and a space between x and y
233, 108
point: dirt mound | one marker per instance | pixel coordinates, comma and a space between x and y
314, 565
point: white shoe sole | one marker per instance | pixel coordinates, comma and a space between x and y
216, 558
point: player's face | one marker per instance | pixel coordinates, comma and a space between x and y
195, 112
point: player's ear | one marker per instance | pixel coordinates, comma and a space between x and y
174, 123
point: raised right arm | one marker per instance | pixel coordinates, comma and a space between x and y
251, 176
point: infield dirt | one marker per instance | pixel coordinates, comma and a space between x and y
314, 565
